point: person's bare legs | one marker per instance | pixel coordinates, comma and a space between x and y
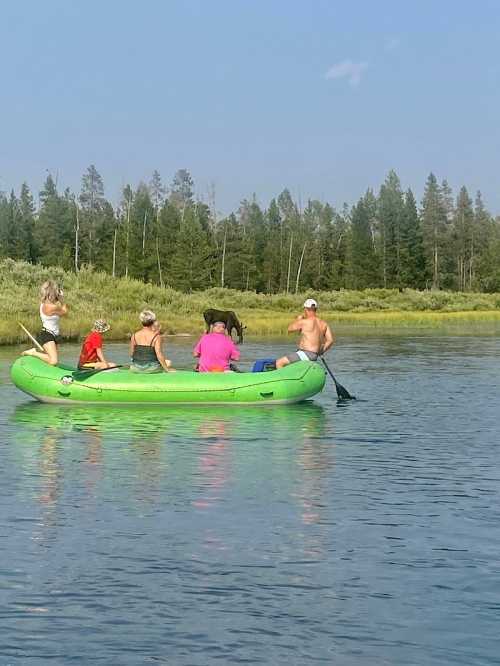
49, 356
281, 362
103, 365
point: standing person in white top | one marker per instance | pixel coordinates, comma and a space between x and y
52, 308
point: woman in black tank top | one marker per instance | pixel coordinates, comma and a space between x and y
145, 346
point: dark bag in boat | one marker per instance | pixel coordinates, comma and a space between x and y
264, 364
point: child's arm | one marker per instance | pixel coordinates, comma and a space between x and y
100, 355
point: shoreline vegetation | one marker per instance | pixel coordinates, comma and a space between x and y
91, 295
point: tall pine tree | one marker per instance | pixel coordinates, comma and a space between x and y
92, 202
362, 258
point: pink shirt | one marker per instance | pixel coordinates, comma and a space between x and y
215, 351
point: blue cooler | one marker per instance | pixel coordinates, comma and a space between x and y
264, 364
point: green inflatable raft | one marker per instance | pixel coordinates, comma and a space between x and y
62, 384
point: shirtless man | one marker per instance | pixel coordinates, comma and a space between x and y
316, 337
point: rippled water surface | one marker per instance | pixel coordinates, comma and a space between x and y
367, 533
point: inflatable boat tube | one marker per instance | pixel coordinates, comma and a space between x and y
65, 385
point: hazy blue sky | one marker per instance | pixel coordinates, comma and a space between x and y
323, 97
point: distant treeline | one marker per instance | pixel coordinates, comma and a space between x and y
91, 294
167, 237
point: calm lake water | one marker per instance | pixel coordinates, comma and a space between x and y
367, 533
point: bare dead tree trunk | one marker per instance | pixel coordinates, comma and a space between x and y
144, 233
158, 258
384, 264
300, 268
77, 232
436, 267
91, 227
213, 208
289, 265
281, 256
471, 261
223, 257
160, 274
127, 239
114, 251
398, 255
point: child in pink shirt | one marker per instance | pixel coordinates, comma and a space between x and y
215, 350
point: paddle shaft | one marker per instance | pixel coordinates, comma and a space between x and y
31, 337
90, 372
342, 392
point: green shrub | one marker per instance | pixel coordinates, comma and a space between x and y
91, 294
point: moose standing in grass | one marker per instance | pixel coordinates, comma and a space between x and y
228, 317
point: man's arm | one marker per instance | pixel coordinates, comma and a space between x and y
329, 340
235, 352
296, 324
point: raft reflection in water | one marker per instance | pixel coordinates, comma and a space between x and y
139, 422
195, 460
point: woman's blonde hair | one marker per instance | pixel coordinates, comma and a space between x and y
50, 292
147, 317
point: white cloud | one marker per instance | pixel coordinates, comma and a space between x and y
347, 69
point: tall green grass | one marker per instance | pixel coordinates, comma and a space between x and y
91, 295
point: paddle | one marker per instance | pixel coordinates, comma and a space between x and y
342, 393
32, 338
84, 374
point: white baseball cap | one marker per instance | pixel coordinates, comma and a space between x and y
310, 303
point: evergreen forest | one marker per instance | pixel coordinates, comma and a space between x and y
166, 236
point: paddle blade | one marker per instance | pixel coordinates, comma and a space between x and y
343, 393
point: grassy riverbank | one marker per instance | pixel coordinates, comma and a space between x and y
91, 295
